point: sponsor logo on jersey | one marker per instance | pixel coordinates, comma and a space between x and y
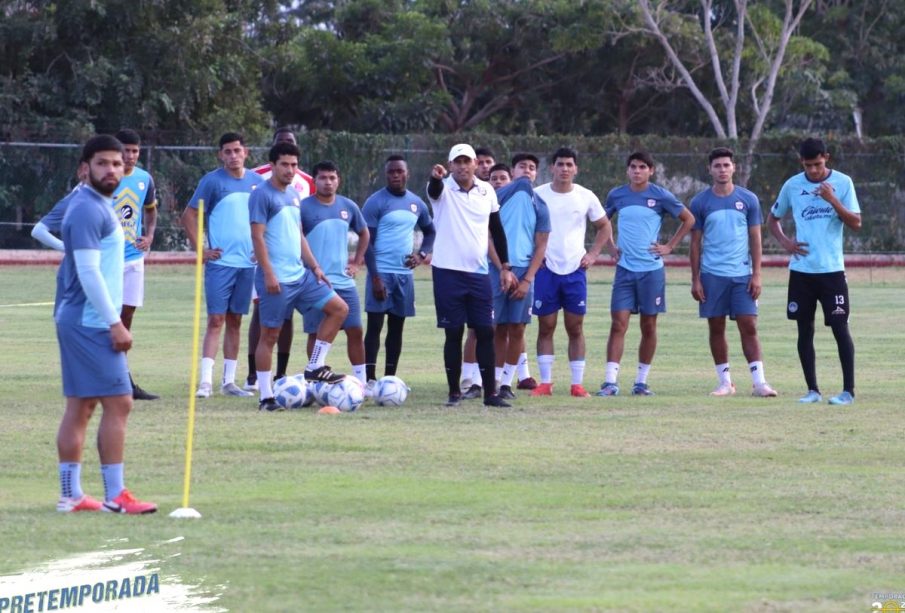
804, 192
817, 212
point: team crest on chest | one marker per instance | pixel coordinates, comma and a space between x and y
651, 203
141, 185
344, 214
739, 205
414, 207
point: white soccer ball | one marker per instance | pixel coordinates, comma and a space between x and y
346, 395
318, 391
291, 392
391, 391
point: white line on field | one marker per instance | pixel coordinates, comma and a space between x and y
25, 304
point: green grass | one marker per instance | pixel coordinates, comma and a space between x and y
675, 502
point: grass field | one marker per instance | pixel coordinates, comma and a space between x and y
676, 502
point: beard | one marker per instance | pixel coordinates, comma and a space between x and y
103, 186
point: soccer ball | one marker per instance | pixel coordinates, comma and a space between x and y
346, 395
318, 391
391, 391
291, 392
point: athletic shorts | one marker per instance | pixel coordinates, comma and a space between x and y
91, 368
507, 310
553, 292
313, 317
462, 298
400, 298
301, 295
134, 283
639, 292
829, 288
227, 289
726, 296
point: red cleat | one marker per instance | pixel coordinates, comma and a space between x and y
579, 391
127, 503
543, 389
76, 505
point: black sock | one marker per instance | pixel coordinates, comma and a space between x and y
372, 344
282, 364
252, 371
846, 347
806, 353
486, 358
452, 357
393, 344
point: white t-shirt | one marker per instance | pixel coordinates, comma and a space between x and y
461, 219
568, 213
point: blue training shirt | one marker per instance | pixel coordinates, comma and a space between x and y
89, 223
523, 213
638, 227
816, 222
135, 193
326, 226
279, 211
226, 215
724, 221
54, 218
395, 218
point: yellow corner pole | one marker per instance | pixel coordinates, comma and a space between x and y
196, 333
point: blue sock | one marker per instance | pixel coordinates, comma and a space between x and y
71, 480
113, 480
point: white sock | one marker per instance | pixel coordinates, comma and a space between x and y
497, 372
545, 368
577, 367
229, 371
722, 373
643, 370
757, 372
507, 374
264, 384
207, 370
611, 374
523, 372
358, 371
319, 354
471, 370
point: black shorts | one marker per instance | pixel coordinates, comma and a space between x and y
830, 289
462, 298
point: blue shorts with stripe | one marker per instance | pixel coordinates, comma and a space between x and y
554, 291
227, 289
462, 298
301, 295
91, 368
314, 316
726, 296
507, 310
400, 298
639, 292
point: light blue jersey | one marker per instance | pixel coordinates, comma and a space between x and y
523, 213
816, 222
135, 193
395, 218
226, 212
90, 224
54, 218
724, 222
327, 229
282, 234
638, 227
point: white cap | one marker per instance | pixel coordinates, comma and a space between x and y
460, 150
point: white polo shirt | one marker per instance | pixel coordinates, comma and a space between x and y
568, 215
461, 219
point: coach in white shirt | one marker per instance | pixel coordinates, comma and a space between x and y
466, 212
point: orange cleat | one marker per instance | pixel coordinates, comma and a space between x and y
76, 505
127, 503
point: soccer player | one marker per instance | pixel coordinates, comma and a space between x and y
93, 340
822, 202
639, 285
327, 219
725, 269
526, 221
561, 283
283, 284
500, 176
465, 212
228, 267
303, 184
135, 203
391, 215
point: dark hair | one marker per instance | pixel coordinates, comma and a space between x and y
641, 156
811, 148
101, 142
501, 166
325, 166
485, 152
519, 157
394, 158
720, 152
564, 152
282, 130
231, 137
128, 136
282, 149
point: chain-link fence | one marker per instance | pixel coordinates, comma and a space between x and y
33, 176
